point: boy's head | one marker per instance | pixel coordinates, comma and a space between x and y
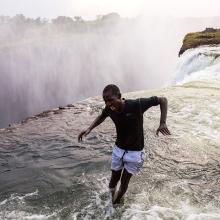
112, 97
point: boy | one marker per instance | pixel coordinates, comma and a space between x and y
127, 115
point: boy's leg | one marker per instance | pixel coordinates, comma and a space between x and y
133, 161
126, 176
115, 177
116, 167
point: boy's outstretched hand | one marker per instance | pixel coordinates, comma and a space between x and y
83, 133
163, 129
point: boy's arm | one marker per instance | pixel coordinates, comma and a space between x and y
163, 109
95, 123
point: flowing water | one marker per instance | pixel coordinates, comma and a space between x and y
46, 174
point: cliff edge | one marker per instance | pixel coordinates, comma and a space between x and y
209, 36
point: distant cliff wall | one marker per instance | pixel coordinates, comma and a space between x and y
209, 36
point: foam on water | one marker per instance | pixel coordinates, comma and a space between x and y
138, 212
198, 64
17, 202
101, 208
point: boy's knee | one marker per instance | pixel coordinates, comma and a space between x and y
112, 189
112, 184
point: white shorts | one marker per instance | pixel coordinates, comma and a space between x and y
132, 161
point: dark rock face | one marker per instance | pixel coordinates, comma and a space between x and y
209, 36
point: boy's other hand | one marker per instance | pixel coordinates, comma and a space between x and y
83, 133
163, 129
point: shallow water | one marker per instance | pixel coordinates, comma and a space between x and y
46, 174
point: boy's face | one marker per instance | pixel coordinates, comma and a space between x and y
112, 101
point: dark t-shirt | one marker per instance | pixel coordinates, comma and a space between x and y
129, 122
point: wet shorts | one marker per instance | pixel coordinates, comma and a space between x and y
132, 161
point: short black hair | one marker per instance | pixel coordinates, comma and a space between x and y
113, 88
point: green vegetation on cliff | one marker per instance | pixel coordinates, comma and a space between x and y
209, 36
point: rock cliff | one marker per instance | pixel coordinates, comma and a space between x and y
209, 36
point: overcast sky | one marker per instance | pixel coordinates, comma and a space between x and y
88, 9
